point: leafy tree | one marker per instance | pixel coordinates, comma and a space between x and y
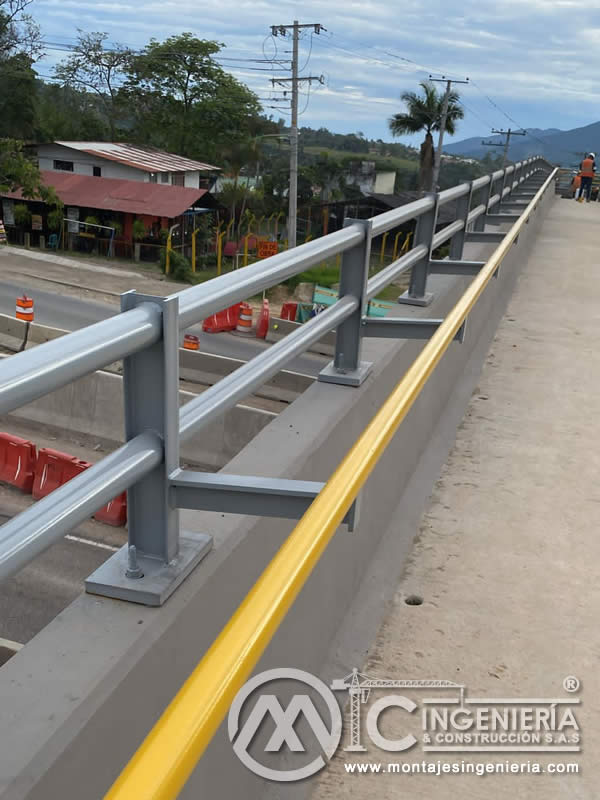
18, 32
17, 171
183, 100
424, 113
17, 80
67, 114
96, 69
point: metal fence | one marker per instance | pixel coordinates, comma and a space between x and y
146, 333
164, 761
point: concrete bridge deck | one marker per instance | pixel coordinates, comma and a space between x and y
506, 559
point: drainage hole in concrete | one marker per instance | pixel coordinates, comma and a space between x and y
414, 600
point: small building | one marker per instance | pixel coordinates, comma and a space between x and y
114, 205
365, 176
129, 162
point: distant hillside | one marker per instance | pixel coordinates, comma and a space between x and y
560, 147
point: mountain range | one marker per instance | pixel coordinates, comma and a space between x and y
564, 148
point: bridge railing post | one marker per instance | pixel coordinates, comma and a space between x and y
346, 367
417, 294
463, 206
155, 560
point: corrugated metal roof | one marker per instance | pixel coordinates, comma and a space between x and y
110, 194
146, 158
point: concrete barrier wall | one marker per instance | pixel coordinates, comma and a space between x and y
81, 696
94, 406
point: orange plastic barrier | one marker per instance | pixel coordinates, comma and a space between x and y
262, 327
223, 320
54, 468
17, 461
24, 309
115, 512
288, 311
191, 342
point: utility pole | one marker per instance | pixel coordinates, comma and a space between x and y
507, 134
295, 80
438, 153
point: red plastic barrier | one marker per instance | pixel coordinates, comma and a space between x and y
223, 320
262, 327
54, 468
288, 311
17, 461
115, 512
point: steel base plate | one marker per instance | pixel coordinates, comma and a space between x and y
159, 580
416, 301
351, 378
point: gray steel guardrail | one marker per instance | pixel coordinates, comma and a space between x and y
145, 335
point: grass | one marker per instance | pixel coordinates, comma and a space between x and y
392, 162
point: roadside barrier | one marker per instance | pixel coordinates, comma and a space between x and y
191, 342
262, 327
114, 513
53, 469
17, 461
24, 309
244, 323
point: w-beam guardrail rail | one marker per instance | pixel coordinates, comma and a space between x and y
145, 334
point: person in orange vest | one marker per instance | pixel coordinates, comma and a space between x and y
576, 184
588, 171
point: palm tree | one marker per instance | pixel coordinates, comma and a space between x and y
424, 113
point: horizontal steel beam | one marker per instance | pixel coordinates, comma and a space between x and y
392, 271
398, 216
48, 520
245, 494
450, 267
485, 237
234, 387
207, 298
501, 219
411, 328
33, 373
447, 233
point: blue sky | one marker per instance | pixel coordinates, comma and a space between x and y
533, 60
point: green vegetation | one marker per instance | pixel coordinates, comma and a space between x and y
424, 112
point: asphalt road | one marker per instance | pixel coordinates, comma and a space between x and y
71, 313
41, 590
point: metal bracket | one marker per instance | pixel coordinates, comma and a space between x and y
347, 368
501, 219
156, 559
392, 328
510, 206
247, 494
450, 267
486, 237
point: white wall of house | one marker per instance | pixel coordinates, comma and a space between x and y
192, 179
84, 163
384, 182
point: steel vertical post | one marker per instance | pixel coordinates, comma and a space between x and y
347, 368
457, 243
151, 387
156, 559
417, 294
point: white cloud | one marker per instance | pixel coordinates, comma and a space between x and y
536, 59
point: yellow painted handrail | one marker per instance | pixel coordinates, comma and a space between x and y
166, 758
